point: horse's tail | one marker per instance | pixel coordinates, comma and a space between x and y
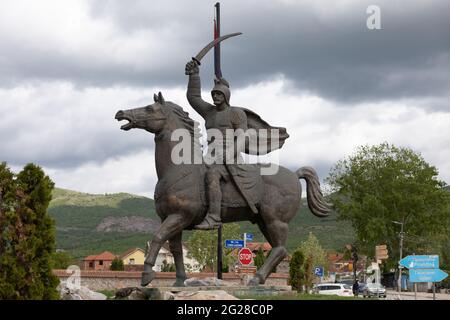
316, 202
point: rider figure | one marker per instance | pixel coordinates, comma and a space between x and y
227, 150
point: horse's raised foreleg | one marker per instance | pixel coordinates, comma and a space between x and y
177, 250
276, 233
172, 225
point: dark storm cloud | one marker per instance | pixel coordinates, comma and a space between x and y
56, 126
322, 48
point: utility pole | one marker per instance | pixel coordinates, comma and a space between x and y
399, 283
355, 261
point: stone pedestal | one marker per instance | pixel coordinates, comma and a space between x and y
173, 293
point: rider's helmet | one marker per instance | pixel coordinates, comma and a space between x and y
221, 85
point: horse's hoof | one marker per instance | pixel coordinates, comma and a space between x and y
255, 281
179, 283
147, 277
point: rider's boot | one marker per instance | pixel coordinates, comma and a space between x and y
212, 219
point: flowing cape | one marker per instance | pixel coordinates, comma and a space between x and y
268, 142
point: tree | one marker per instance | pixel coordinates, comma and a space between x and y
314, 256
117, 265
307, 256
203, 245
27, 235
259, 259
384, 183
62, 260
296, 270
309, 276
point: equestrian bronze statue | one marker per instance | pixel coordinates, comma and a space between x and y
219, 187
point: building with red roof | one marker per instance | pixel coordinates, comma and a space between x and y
101, 261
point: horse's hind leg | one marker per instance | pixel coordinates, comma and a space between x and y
276, 233
177, 251
171, 226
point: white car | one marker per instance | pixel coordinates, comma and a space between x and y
374, 290
339, 289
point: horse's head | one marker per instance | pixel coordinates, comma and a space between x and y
151, 118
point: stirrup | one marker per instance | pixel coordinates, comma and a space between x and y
208, 223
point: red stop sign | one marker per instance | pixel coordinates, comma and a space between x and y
245, 256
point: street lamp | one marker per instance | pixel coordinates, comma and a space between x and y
399, 281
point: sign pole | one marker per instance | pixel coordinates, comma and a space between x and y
415, 286
415, 291
219, 252
400, 266
434, 290
245, 240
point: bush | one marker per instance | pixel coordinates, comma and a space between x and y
62, 260
116, 265
259, 259
296, 270
167, 267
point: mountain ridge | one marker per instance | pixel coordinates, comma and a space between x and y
90, 223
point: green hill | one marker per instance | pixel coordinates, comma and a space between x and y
88, 224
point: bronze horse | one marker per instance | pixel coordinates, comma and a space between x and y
179, 193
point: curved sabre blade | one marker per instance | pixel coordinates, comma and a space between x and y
211, 45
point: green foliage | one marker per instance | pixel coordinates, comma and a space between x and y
385, 183
308, 255
117, 265
296, 270
167, 267
78, 214
259, 259
27, 235
311, 248
62, 260
202, 245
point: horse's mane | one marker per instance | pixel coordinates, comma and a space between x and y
189, 124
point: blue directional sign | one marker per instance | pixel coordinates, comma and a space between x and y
234, 243
318, 271
420, 262
426, 275
249, 237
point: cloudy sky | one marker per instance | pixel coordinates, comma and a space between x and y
313, 67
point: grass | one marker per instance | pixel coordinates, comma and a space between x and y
108, 293
298, 296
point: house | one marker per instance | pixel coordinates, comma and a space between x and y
164, 257
190, 264
256, 246
283, 266
101, 261
133, 259
338, 263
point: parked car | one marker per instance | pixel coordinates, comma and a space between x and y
374, 290
338, 289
